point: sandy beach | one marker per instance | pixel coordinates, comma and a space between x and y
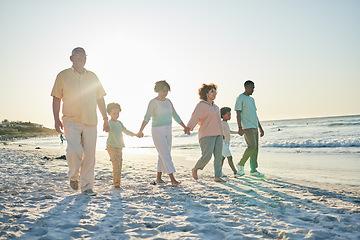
36, 202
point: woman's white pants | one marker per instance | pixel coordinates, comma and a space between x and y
162, 137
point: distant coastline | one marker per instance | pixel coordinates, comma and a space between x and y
311, 118
19, 130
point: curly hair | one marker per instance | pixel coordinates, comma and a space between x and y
205, 89
112, 106
160, 85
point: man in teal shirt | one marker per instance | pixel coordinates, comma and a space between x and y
248, 124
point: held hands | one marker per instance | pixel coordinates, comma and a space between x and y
241, 132
106, 127
187, 130
139, 134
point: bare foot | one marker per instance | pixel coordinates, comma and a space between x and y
160, 181
194, 174
175, 184
217, 179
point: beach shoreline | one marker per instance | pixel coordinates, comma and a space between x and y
332, 167
37, 203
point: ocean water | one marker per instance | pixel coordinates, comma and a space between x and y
316, 135
320, 149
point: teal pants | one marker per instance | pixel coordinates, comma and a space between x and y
209, 146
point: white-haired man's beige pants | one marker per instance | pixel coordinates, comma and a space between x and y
80, 153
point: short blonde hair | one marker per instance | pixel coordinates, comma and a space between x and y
160, 85
112, 106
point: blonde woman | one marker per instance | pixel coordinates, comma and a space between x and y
162, 111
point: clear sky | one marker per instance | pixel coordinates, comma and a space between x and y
304, 56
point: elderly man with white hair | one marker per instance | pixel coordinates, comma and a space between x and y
81, 93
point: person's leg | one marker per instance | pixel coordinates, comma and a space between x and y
167, 160
207, 148
218, 145
223, 153
74, 149
120, 154
227, 154
231, 164
174, 183
158, 178
87, 170
160, 168
115, 160
172, 170
251, 145
254, 155
157, 139
162, 140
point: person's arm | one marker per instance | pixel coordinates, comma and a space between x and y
238, 118
127, 132
194, 117
102, 108
143, 125
148, 115
224, 129
174, 113
56, 112
233, 132
179, 121
186, 129
261, 130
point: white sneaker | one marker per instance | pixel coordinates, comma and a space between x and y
241, 171
257, 174
89, 192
